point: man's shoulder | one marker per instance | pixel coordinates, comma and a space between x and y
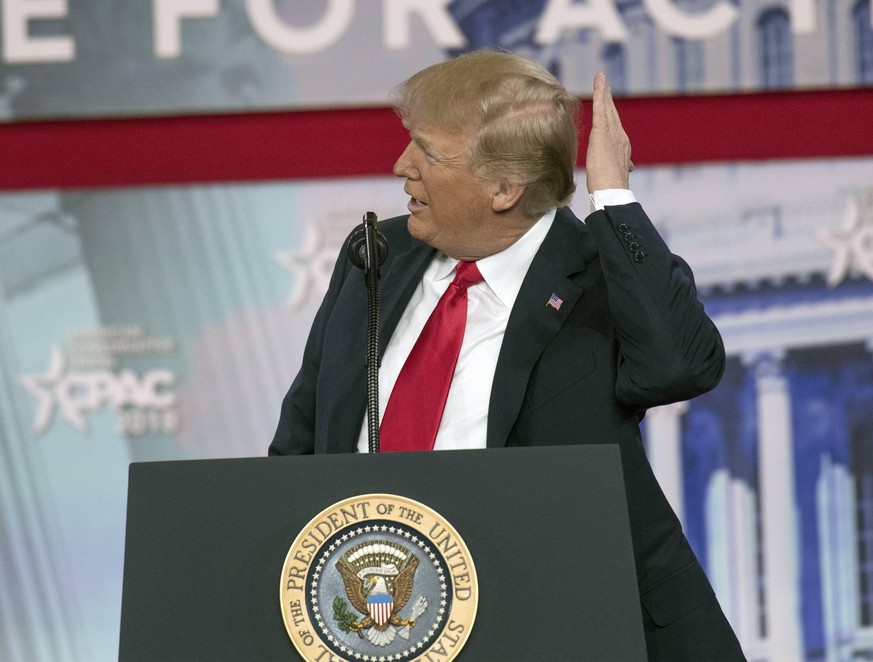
568, 232
396, 232
395, 225
566, 215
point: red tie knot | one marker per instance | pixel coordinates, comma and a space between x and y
467, 274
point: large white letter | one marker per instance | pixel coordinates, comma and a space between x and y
168, 14
287, 39
703, 25
433, 13
19, 46
561, 15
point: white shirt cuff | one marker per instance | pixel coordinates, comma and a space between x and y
609, 197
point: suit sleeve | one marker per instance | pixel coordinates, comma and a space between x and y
295, 433
669, 348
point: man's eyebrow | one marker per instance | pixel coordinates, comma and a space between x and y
424, 144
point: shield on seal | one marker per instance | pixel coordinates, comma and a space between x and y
379, 607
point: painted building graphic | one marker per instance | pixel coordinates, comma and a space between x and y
770, 472
769, 44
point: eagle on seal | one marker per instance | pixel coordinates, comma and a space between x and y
378, 580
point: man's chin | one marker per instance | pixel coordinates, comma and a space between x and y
419, 229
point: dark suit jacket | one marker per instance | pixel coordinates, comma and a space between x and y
630, 334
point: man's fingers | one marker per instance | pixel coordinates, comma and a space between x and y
604, 113
599, 104
611, 111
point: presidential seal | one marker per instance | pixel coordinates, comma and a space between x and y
378, 578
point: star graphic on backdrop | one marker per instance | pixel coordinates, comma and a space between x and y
311, 266
42, 386
852, 245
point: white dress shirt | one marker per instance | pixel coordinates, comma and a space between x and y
465, 417
464, 424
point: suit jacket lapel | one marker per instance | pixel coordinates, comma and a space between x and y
533, 323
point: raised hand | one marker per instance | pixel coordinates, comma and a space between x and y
608, 162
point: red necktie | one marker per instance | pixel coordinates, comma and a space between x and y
415, 407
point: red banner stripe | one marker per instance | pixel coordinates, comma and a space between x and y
365, 141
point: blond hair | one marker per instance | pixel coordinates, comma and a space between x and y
521, 121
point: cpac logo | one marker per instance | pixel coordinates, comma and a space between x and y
143, 404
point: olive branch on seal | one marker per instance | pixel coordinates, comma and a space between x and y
341, 614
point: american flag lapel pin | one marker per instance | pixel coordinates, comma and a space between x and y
555, 301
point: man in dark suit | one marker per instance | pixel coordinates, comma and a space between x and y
575, 331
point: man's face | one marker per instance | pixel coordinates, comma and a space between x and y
450, 209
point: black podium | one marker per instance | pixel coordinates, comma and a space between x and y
547, 528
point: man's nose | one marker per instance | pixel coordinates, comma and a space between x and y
403, 166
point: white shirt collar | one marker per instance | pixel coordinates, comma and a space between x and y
504, 271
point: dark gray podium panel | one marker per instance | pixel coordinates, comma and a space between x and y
546, 527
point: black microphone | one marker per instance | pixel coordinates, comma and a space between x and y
363, 235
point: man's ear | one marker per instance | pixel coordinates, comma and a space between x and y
506, 196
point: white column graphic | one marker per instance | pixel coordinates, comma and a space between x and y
664, 449
838, 542
778, 509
